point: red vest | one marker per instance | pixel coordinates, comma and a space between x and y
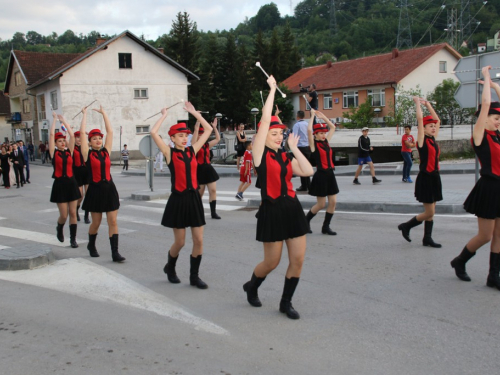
183, 166
429, 155
99, 166
78, 157
323, 155
488, 153
62, 163
275, 175
203, 155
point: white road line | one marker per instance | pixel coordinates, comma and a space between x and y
132, 219
3, 218
49, 210
222, 207
83, 278
49, 239
233, 193
4, 247
466, 216
158, 201
143, 208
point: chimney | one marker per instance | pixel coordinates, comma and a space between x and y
328, 64
162, 51
395, 53
99, 41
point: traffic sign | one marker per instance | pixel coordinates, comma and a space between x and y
145, 146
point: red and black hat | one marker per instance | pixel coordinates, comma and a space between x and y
319, 128
59, 135
95, 132
494, 109
275, 123
77, 134
429, 120
178, 128
201, 130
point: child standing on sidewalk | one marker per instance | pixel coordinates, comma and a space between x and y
245, 171
407, 143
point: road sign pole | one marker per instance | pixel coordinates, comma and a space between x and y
151, 163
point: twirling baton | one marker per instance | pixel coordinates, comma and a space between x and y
173, 105
85, 107
267, 75
262, 98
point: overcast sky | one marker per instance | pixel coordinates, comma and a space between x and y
149, 17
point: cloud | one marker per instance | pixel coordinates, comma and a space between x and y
149, 17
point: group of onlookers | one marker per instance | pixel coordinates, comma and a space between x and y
14, 163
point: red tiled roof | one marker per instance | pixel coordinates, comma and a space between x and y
365, 71
4, 104
36, 65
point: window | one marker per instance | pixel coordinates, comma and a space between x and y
327, 101
41, 105
17, 78
125, 60
141, 129
53, 100
350, 99
26, 106
140, 93
378, 97
442, 67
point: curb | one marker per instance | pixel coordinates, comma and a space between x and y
26, 257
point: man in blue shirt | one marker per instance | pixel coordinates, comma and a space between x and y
300, 129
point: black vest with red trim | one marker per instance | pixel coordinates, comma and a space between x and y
275, 175
63, 164
488, 153
323, 155
99, 166
183, 166
78, 157
429, 155
203, 155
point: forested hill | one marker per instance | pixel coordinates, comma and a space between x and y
313, 35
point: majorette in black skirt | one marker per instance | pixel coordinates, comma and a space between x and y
484, 199
207, 174
64, 188
428, 188
81, 175
323, 184
184, 207
101, 195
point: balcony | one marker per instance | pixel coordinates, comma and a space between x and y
14, 118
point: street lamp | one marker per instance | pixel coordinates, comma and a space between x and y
254, 112
218, 116
377, 112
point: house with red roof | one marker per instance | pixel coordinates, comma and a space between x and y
131, 79
349, 83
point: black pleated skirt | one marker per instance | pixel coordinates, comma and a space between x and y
206, 174
64, 190
428, 188
101, 197
81, 175
484, 198
281, 220
323, 184
184, 210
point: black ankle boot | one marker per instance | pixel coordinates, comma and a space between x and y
286, 299
213, 205
326, 225
251, 288
405, 227
113, 240
91, 246
427, 240
77, 213
493, 280
59, 231
72, 236
194, 280
459, 264
169, 269
309, 217
86, 218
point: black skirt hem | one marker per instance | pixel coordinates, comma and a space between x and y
184, 210
101, 197
64, 190
428, 188
484, 200
323, 184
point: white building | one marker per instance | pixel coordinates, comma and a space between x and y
130, 79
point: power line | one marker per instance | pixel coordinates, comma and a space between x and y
404, 29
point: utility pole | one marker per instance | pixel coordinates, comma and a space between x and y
333, 18
453, 29
404, 29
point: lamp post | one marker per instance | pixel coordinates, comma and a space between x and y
254, 112
218, 116
377, 112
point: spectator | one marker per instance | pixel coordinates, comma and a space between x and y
407, 143
125, 154
41, 150
300, 130
364, 149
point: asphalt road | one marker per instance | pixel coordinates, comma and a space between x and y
370, 302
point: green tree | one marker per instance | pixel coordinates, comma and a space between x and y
33, 38
267, 18
446, 107
182, 41
402, 112
361, 116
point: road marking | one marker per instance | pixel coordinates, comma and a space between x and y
3, 218
223, 207
144, 208
233, 193
49, 210
466, 216
4, 247
132, 219
83, 278
49, 239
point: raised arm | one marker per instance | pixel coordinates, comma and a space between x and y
434, 116
83, 135
213, 142
480, 125
160, 143
331, 125
420, 121
300, 164
52, 132
71, 143
310, 136
265, 122
109, 129
206, 127
277, 114
196, 132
